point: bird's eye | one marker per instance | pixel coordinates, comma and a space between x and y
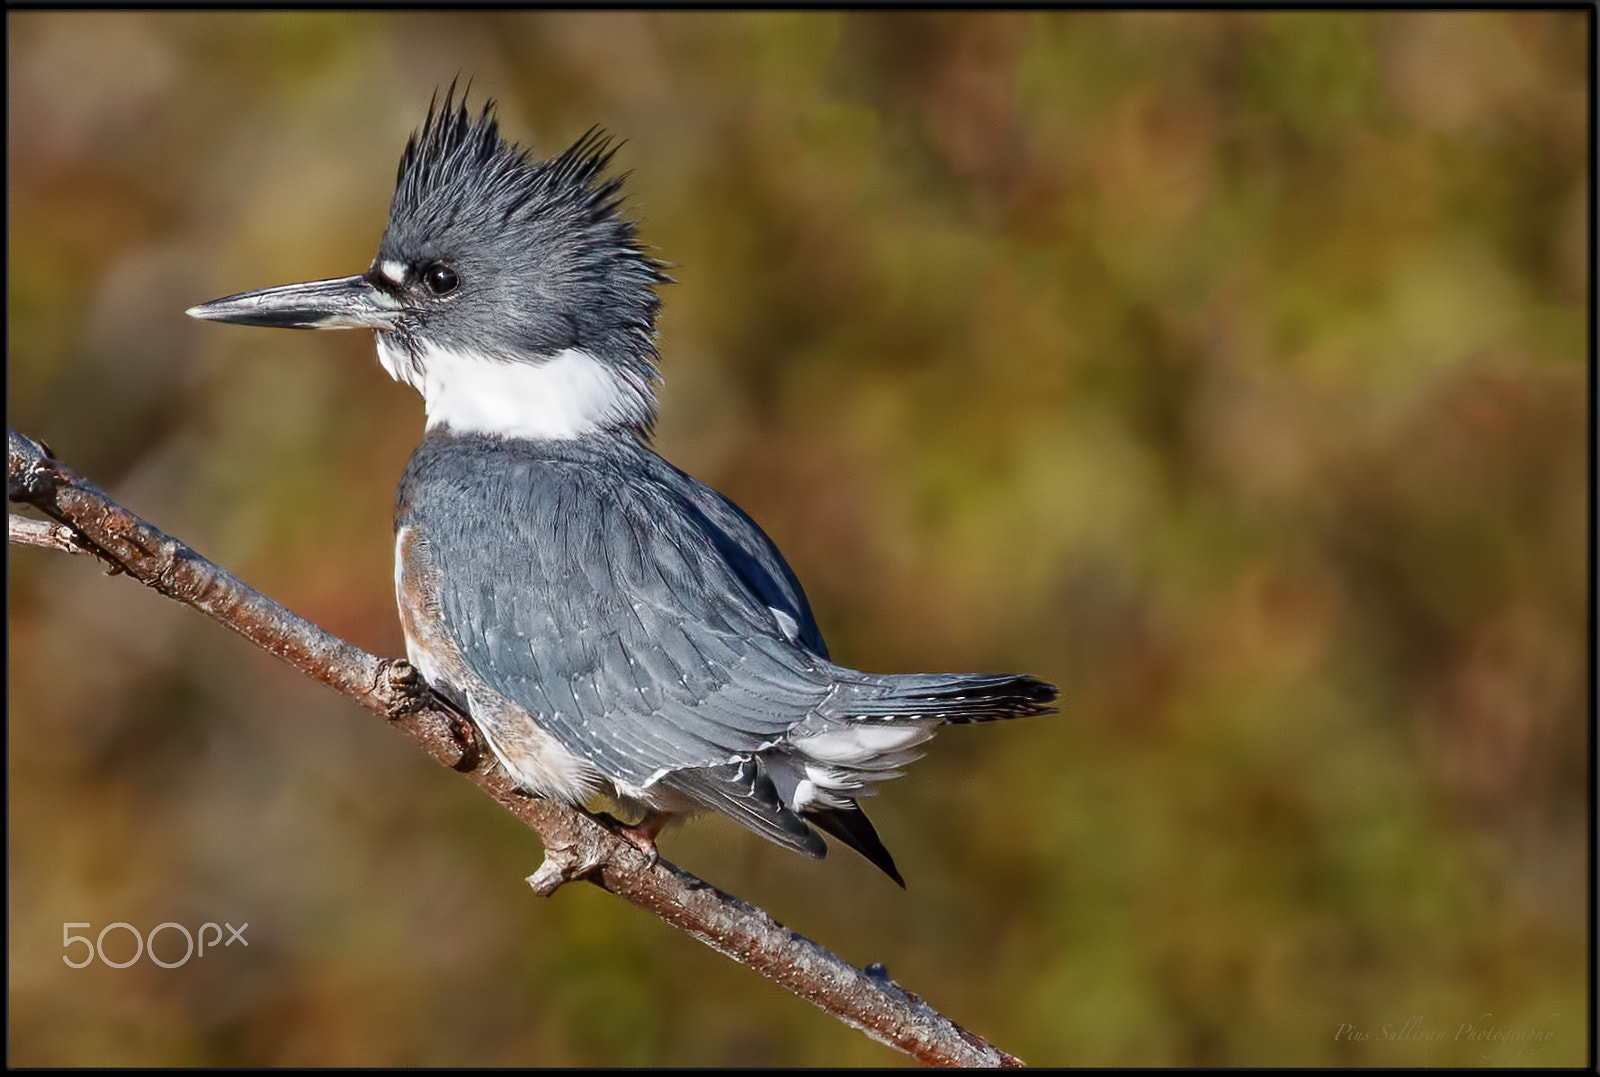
441, 279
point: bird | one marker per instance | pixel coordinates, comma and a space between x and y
612, 626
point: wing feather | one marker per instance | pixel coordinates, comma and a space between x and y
635, 625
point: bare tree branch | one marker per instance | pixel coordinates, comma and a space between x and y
29, 532
577, 844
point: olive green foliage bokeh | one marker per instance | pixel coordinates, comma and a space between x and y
1229, 370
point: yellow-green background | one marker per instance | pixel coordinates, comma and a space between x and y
1229, 370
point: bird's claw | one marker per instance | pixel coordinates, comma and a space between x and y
644, 844
466, 735
415, 693
641, 835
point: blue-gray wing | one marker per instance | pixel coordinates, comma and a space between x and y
610, 610
751, 554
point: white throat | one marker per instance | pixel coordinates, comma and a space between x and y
565, 396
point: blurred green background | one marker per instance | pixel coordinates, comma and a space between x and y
1228, 369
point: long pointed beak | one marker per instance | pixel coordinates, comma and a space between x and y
344, 303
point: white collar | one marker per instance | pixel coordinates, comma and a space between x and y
567, 395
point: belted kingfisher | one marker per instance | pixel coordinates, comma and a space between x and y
611, 625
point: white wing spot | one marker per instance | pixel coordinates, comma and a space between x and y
786, 624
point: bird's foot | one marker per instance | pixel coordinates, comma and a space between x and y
414, 693
642, 835
465, 734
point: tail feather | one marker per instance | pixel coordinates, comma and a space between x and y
868, 727
952, 698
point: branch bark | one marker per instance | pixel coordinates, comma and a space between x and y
577, 845
42, 533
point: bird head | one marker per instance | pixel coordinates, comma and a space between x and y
510, 292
